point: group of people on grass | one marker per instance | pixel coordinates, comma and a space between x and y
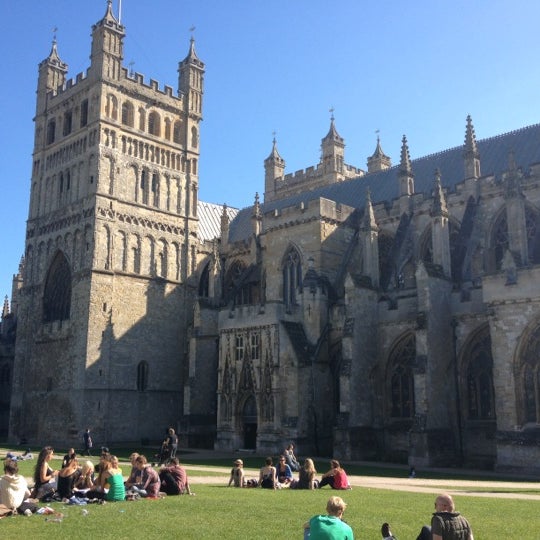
281, 475
81, 482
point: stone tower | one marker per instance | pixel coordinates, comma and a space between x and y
110, 249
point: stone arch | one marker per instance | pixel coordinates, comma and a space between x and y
476, 376
128, 113
162, 258
57, 290
527, 376
154, 124
111, 106
400, 400
292, 275
147, 256
120, 251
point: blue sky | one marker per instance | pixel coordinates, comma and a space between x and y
399, 67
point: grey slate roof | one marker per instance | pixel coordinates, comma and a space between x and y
210, 219
494, 151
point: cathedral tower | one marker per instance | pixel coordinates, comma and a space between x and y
110, 245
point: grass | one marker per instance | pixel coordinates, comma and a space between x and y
232, 514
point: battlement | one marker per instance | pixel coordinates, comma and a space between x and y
136, 78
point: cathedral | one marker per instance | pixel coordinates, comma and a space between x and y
386, 312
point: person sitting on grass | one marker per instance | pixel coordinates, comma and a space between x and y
135, 475
111, 476
86, 478
331, 526
150, 484
267, 475
67, 477
336, 477
237, 474
14, 492
44, 476
306, 476
174, 480
283, 472
446, 523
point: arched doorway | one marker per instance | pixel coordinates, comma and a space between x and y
249, 423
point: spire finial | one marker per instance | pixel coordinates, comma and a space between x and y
331, 111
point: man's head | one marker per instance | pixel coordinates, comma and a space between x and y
11, 467
336, 506
444, 503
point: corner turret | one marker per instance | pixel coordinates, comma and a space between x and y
191, 81
379, 161
274, 169
107, 50
52, 75
332, 150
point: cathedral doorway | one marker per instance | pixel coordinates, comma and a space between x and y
249, 423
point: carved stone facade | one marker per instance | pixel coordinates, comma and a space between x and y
390, 314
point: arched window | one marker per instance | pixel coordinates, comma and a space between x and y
533, 234
154, 124
204, 282
528, 379
480, 401
127, 114
194, 137
401, 378
168, 129
236, 286
292, 276
499, 240
142, 376
142, 119
51, 131
111, 109
177, 132
57, 293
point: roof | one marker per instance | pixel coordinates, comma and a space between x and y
384, 185
210, 219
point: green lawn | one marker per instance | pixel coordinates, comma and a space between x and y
232, 514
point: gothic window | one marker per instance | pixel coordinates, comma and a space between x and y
51, 131
142, 119
255, 343
84, 113
533, 234
127, 114
57, 292
401, 378
177, 132
155, 189
385, 242
142, 376
292, 276
528, 378
204, 282
111, 108
68, 115
144, 186
154, 124
239, 347
235, 288
194, 137
480, 400
168, 129
500, 240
